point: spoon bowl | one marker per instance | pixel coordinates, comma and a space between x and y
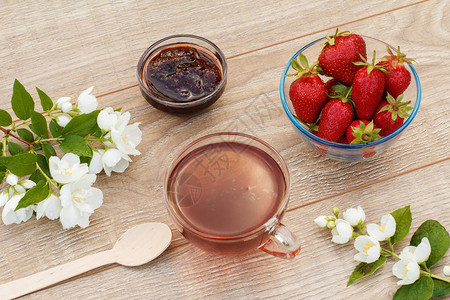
142, 243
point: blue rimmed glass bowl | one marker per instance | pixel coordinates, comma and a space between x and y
347, 152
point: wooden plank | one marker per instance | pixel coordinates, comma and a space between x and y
64, 49
135, 197
320, 272
313, 177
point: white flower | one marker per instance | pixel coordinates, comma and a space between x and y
383, 231
4, 197
407, 270
62, 120
28, 184
447, 270
79, 200
10, 216
96, 165
322, 221
368, 247
126, 137
342, 232
114, 160
68, 169
419, 253
355, 216
87, 102
64, 104
12, 179
107, 118
50, 208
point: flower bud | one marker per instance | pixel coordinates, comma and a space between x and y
447, 270
335, 211
331, 224
321, 221
12, 179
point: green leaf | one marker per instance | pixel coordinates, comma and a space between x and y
403, 221
43, 164
34, 195
22, 103
5, 118
85, 159
364, 269
55, 129
303, 60
421, 289
340, 89
438, 237
14, 148
39, 124
441, 288
25, 134
46, 102
21, 164
37, 176
295, 65
81, 125
2, 175
77, 145
48, 150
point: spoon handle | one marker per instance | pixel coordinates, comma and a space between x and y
38, 281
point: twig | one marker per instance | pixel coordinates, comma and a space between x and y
8, 132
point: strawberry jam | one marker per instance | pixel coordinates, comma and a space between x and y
182, 77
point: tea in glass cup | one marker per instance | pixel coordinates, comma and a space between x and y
227, 193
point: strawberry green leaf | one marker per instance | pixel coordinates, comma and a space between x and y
295, 65
303, 60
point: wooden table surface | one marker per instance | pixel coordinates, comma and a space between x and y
63, 47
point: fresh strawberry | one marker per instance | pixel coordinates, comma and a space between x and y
397, 78
368, 87
391, 113
339, 54
308, 93
336, 116
362, 131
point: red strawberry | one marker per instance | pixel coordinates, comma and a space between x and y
308, 93
368, 87
336, 116
390, 114
398, 78
339, 54
362, 131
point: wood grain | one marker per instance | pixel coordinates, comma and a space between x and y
98, 44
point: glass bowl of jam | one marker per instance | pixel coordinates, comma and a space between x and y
182, 73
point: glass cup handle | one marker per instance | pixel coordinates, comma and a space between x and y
282, 243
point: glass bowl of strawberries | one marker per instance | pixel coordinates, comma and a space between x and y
348, 104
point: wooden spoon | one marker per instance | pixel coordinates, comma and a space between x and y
135, 247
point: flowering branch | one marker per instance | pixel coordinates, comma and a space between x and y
92, 140
428, 245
